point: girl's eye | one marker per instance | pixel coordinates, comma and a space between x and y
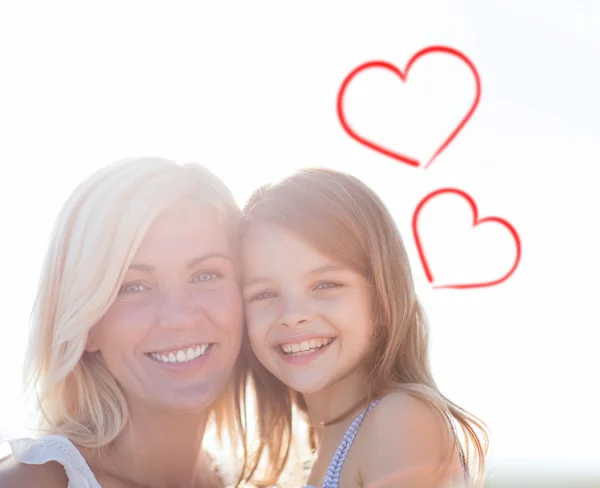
204, 277
133, 288
326, 285
263, 295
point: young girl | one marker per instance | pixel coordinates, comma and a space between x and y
338, 333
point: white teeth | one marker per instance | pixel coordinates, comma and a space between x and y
181, 356
306, 346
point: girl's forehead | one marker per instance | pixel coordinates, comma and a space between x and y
276, 252
269, 239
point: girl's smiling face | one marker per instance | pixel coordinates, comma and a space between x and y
309, 318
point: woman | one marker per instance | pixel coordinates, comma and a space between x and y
136, 333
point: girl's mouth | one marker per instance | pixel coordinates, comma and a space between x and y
305, 347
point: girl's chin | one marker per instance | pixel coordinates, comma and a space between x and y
308, 387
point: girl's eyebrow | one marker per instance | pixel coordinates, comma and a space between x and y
320, 270
256, 280
326, 268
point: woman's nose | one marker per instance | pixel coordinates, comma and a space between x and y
178, 311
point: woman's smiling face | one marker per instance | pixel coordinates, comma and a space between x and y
172, 336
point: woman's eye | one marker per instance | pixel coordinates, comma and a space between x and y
327, 284
204, 277
133, 288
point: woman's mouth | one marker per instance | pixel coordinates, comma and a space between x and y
305, 347
183, 355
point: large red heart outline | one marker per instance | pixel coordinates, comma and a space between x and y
403, 75
476, 221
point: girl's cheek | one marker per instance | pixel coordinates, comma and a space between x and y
258, 324
262, 315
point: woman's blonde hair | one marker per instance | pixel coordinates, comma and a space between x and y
346, 221
93, 242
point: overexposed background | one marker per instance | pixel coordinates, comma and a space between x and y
249, 89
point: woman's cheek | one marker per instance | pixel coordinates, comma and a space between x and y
224, 306
124, 319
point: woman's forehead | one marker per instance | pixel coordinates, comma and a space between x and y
184, 229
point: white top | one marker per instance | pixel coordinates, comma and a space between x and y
55, 448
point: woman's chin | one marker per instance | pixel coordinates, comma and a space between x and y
186, 406
189, 400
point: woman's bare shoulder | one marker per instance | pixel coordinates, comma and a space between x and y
14, 474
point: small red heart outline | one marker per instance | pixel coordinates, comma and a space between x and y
403, 76
476, 222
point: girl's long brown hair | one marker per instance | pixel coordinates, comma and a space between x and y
346, 221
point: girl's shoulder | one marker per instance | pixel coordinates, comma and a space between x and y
405, 439
403, 418
405, 401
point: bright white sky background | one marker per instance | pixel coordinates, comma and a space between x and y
249, 89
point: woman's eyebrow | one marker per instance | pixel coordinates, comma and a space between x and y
194, 262
190, 264
142, 267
